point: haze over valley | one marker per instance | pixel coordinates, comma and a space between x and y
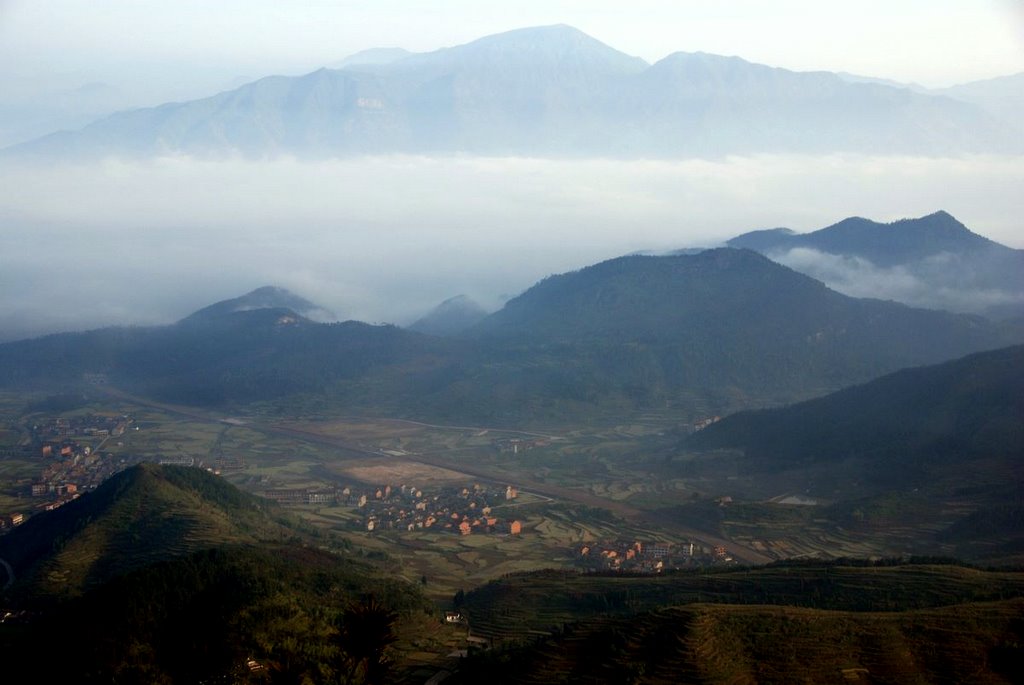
547, 344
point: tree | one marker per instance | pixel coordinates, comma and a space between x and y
366, 630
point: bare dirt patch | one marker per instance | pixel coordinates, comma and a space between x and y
398, 472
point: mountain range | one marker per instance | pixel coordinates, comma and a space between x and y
716, 331
547, 91
932, 261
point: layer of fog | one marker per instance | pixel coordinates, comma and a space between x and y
942, 281
384, 239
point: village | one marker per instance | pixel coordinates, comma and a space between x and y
73, 460
646, 557
462, 510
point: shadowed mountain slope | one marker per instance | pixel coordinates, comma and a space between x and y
715, 331
962, 410
733, 307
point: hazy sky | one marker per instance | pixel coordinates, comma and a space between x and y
176, 47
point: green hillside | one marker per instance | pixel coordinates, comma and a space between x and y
145, 514
168, 574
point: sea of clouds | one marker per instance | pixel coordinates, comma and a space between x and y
383, 239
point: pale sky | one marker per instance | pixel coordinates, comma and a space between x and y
176, 47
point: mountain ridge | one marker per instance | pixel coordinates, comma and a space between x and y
931, 261
707, 332
545, 91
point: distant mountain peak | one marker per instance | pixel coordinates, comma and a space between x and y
552, 33
557, 42
704, 62
931, 261
267, 297
882, 243
937, 226
940, 220
451, 317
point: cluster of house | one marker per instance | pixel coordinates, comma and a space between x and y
461, 510
69, 468
70, 464
642, 557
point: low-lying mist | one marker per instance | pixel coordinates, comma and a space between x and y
942, 281
384, 239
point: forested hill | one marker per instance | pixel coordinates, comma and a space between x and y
963, 410
168, 574
737, 313
144, 514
